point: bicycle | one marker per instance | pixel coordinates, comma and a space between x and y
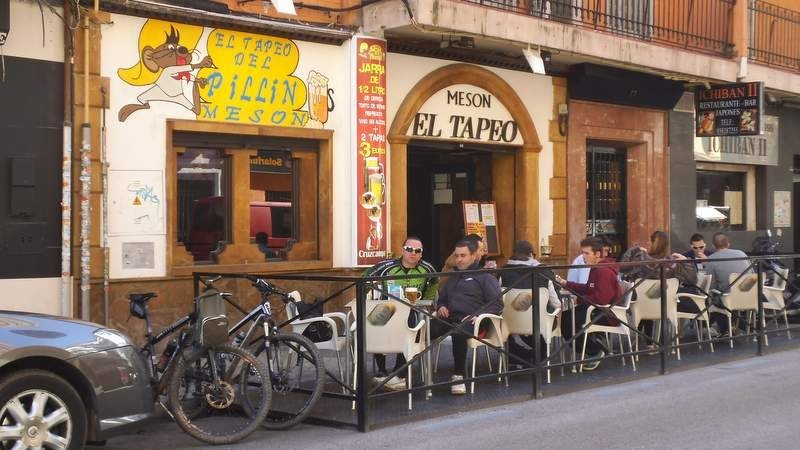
218, 394
283, 354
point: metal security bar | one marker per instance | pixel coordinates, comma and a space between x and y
774, 35
352, 397
700, 25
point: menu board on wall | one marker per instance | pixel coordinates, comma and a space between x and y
481, 218
370, 139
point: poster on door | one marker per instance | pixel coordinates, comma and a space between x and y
370, 139
481, 218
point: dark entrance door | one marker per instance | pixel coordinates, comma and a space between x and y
440, 177
606, 195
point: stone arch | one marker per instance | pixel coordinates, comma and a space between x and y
526, 160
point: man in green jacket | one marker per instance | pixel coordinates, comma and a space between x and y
410, 263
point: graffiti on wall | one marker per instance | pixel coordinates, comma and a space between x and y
231, 77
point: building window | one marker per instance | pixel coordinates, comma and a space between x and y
203, 202
227, 183
273, 225
725, 197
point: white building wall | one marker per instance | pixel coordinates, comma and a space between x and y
535, 91
139, 143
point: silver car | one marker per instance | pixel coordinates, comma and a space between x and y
64, 382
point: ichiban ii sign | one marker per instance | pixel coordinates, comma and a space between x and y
729, 110
465, 112
761, 150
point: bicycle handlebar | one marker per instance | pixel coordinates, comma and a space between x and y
266, 288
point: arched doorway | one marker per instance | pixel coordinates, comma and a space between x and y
515, 180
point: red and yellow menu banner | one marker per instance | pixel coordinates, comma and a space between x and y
370, 112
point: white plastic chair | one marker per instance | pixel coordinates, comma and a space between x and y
494, 336
775, 301
647, 307
700, 302
394, 336
521, 322
336, 343
621, 313
738, 298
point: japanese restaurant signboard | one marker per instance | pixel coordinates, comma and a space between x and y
729, 110
759, 150
370, 139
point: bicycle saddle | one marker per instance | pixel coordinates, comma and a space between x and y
141, 297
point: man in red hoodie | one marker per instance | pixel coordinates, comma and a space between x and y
602, 288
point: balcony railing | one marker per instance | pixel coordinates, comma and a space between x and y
774, 35
700, 25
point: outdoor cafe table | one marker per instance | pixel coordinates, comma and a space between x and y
427, 305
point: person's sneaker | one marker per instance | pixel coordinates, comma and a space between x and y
378, 379
458, 388
395, 384
714, 329
591, 365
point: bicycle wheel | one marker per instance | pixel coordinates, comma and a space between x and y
227, 399
297, 374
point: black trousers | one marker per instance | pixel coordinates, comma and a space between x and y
593, 346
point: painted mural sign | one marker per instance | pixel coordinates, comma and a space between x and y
468, 113
729, 109
230, 76
761, 150
370, 118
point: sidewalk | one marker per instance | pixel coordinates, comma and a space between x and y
750, 403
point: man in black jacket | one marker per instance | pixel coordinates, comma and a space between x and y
461, 300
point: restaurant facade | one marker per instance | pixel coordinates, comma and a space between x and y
233, 150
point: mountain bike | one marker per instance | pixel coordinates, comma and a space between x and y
218, 394
297, 371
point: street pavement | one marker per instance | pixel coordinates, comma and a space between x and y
745, 404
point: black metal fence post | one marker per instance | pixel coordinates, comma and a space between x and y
537, 346
760, 314
362, 402
664, 347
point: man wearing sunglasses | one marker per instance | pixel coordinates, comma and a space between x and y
698, 251
410, 263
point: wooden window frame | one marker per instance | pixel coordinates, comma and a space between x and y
750, 186
241, 255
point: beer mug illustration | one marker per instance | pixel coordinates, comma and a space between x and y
376, 185
319, 101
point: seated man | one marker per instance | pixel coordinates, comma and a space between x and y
578, 275
461, 300
601, 288
698, 252
722, 270
410, 263
523, 256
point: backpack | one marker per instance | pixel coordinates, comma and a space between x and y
211, 326
317, 331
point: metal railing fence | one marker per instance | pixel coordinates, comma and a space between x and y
774, 35
699, 25
367, 398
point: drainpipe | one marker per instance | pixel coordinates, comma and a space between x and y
66, 170
86, 182
104, 165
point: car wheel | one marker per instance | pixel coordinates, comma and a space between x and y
39, 409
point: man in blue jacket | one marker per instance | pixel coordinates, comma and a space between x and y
461, 300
